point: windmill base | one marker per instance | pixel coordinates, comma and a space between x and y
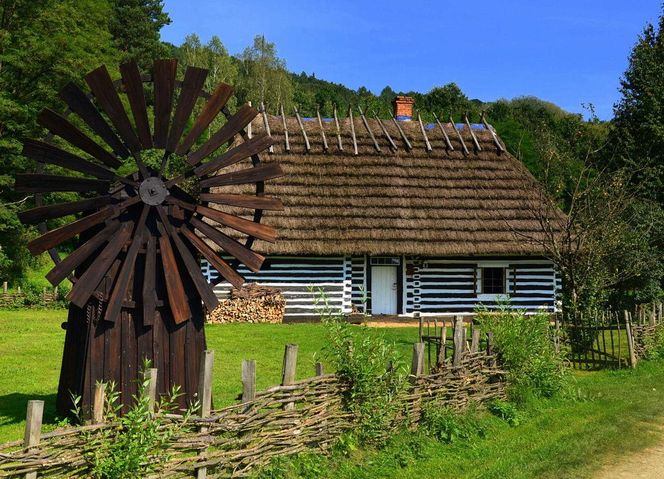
97, 350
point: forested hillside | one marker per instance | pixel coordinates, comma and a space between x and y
606, 175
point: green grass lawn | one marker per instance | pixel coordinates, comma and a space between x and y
616, 411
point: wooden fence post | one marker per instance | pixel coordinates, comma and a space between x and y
288, 372
653, 315
5, 287
475, 342
151, 386
205, 397
417, 366
420, 323
98, 403
440, 360
33, 423
248, 380
320, 370
630, 341
459, 340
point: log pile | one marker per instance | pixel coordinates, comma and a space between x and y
250, 304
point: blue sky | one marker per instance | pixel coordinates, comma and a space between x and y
567, 52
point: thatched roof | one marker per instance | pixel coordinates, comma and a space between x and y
408, 201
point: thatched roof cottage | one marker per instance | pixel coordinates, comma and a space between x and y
397, 216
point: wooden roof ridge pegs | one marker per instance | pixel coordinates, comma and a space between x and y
283, 121
336, 123
266, 124
463, 144
472, 133
249, 132
352, 130
322, 130
501, 148
403, 135
366, 125
442, 129
424, 132
304, 133
385, 132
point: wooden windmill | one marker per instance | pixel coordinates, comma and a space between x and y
138, 290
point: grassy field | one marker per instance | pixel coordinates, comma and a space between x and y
613, 413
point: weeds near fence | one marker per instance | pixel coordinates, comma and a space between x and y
525, 349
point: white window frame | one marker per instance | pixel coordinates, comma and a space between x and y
478, 285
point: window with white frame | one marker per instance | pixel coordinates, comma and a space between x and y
493, 280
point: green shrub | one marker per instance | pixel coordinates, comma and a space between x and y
654, 345
361, 356
506, 411
449, 426
525, 349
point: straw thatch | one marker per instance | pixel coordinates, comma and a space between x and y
384, 200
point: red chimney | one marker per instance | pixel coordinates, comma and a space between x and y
403, 107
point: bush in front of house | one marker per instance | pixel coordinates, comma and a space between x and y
525, 349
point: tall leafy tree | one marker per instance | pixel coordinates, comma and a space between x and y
135, 25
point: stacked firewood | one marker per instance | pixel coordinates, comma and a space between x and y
250, 304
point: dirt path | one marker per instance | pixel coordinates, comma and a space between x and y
646, 464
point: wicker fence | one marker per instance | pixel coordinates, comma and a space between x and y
294, 416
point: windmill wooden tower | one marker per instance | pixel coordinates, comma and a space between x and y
138, 291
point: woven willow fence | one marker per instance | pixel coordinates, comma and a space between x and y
295, 416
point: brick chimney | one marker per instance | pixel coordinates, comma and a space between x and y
403, 107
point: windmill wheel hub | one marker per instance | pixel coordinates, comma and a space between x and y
153, 191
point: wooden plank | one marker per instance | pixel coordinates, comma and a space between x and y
285, 125
472, 133
88, 282
304, 132
257, 230
322, 130
248, 380
56, 236
133, 86
48, 212
119, 293
40, 183
630, 341
98, 403
417, 363
60, 126
151, 377
191, 265
49, 154
403, 135
177, 298
150, 281
448, 143
366, 126
250, 175
393, 145
79, 103
352, 129
319, 369
244, 201
65, 267
211, 109
336, 123
459, 340
101, 84
424, 132
251, 259
164, 87
459, 137
226, 133
192, 85
501, 148
224, 269
289, 369
244, 150
33, 424
475, 339
266, 125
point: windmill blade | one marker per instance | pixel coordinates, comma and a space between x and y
133, 85
45, 153
88, 282
191, 265
245, 150
122, 281
38, 183
101, 84
56, 236
257, 230
192, 85
60, 126
213, 106
224, 269
79, 103
65, 267
232, 247
244, 201
43, 213
234, 124
150, 281
164, 86
249, 175
177, 298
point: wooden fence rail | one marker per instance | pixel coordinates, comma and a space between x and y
293, 416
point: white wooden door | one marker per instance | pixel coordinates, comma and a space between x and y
384, 290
